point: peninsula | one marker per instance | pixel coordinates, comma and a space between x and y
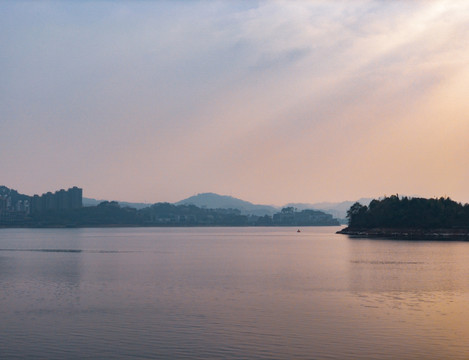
409, 218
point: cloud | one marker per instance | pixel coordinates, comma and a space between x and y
273, 101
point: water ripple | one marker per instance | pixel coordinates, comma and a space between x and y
74, 251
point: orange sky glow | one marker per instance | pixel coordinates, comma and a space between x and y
269, 101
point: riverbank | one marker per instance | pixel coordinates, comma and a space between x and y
412, 234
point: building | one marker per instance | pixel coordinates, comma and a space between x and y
60, 200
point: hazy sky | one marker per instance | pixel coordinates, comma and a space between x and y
270, 101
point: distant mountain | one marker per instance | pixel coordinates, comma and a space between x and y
95, 202
338, 209
215, 201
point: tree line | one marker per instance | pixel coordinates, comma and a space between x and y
110, 213
412, 213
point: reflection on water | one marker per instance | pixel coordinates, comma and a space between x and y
385, 265
419, 287
210, 293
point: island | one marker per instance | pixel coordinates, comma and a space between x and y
409, 218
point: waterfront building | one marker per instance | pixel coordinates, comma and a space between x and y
60, 200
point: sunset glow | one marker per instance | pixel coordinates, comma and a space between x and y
271, 102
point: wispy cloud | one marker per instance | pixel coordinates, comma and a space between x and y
271, 101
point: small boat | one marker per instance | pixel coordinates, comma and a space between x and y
298, 230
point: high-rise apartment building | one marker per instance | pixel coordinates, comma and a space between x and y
60, 200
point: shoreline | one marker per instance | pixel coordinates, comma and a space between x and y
154, 226
413, 234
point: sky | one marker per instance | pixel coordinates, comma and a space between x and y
268, 101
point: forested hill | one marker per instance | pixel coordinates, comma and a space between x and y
409, 213
161, 214
215, 201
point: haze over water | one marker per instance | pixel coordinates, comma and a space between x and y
257, 293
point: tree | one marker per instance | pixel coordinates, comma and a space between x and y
288, 210
355, 214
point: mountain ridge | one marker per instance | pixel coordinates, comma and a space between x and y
213, 200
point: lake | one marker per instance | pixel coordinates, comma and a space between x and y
230, 293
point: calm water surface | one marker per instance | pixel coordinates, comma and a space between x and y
231, 293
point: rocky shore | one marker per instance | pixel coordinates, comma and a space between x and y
412, 234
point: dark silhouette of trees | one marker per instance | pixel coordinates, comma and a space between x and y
110, 213
106, 213
290, 217
405, 212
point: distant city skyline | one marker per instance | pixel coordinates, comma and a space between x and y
267, 101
